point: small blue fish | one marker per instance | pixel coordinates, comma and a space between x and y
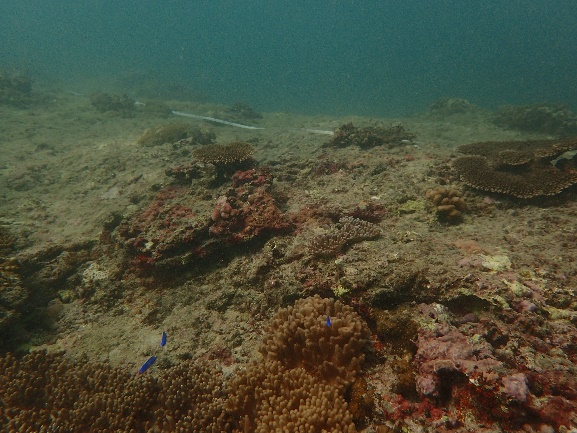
329, 321
163, 339
147, 364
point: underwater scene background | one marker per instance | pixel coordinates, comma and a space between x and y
264, 216
329, 56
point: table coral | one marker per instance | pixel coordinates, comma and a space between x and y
521, 169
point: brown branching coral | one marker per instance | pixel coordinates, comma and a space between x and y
523, 169
284, 391
307, 364
350, 135
300, 337
348, 231
42, 390
268, 398
448, 204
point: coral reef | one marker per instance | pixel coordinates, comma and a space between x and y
121, 105
372, 136
184, 173
348, 231
171, 229
445, 357
448, 204
242, 111
7, 242
173, 132
523, 169
554, 119
283, 390
299, 337
451, 106
15, 90
494, 369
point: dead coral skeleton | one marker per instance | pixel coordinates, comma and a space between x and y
348, 231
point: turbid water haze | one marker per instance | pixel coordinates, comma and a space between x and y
326, 56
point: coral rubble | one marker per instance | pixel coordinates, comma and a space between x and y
523, 169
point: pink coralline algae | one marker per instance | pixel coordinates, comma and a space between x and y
247, 210
164, 228
511, 369
451, 354
176, 229
515, 387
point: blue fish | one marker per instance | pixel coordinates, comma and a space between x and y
163, 339
328, 320
147, 364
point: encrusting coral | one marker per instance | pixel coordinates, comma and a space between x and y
298, 385
522, 169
